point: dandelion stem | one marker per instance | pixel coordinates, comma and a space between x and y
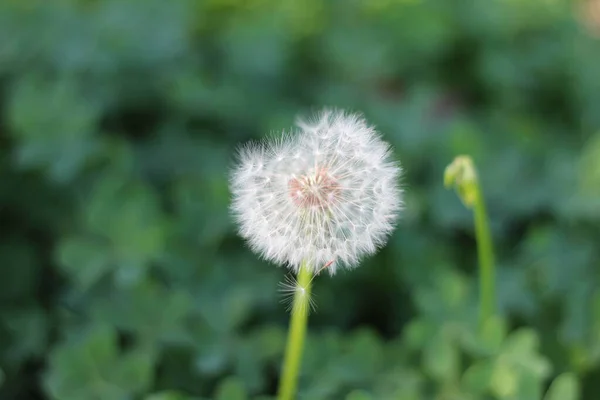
485, 254
297, 332
462, 175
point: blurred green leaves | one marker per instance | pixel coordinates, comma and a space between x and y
564, 387
55, 124
124, 235
93, 367
122, 276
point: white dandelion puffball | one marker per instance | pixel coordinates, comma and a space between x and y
326, 195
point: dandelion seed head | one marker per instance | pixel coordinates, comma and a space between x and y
326, 192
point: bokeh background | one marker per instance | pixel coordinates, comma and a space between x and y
121, 274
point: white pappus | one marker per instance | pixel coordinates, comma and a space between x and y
325, 195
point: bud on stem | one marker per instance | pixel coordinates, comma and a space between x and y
461, 175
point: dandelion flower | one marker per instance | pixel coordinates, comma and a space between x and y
327, 194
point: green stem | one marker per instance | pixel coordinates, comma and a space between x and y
295, 342
485, 254
462, 175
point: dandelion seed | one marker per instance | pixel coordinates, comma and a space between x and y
325, 195
290, 288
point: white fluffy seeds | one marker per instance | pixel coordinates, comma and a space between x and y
327, 194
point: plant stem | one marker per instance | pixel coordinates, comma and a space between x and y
295, 342
462, 175
485, 254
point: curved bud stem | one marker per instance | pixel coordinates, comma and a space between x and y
295, 342
462, 175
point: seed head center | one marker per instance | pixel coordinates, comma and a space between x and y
315, 189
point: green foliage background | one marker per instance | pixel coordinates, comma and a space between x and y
122, 276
